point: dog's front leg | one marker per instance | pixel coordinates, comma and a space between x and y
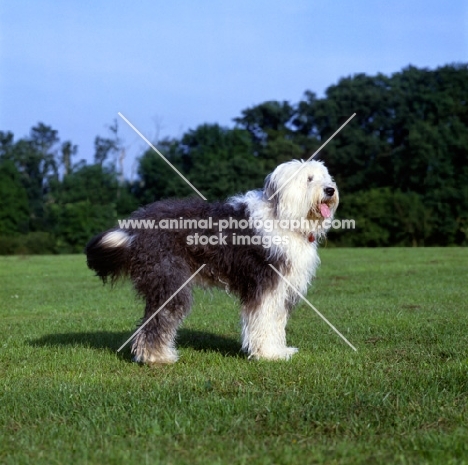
264, 329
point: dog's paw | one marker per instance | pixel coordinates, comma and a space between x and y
291, 351
159, 357
284, 353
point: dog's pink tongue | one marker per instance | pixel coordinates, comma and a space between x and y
324, 210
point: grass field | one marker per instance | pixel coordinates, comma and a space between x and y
67, 397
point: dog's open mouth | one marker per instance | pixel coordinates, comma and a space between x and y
322, 210
325, 210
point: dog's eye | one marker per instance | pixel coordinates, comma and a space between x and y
310, 179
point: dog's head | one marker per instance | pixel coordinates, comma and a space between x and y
302, 190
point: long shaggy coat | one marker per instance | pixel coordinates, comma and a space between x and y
279, 225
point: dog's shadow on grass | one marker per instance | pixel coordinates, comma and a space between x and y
111, 341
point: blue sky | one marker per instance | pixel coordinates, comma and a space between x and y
170, 66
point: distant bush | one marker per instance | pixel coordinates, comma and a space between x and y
35, 243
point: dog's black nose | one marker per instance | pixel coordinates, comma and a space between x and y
329, 191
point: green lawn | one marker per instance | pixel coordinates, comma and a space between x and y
67, 397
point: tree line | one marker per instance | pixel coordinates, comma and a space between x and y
400, 164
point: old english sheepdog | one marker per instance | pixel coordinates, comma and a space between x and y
162, 244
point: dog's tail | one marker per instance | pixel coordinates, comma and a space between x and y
108, 254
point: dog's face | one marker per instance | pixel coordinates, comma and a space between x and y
302, 190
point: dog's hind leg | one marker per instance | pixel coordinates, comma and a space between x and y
155, 343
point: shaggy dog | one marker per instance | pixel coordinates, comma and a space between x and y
236, 240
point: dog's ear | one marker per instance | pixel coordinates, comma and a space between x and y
269, 189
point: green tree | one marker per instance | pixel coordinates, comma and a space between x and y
274, 139
34, 158
82, 204
14, 208
67, 152
157, 180
221, 161
410, 136
104, 147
